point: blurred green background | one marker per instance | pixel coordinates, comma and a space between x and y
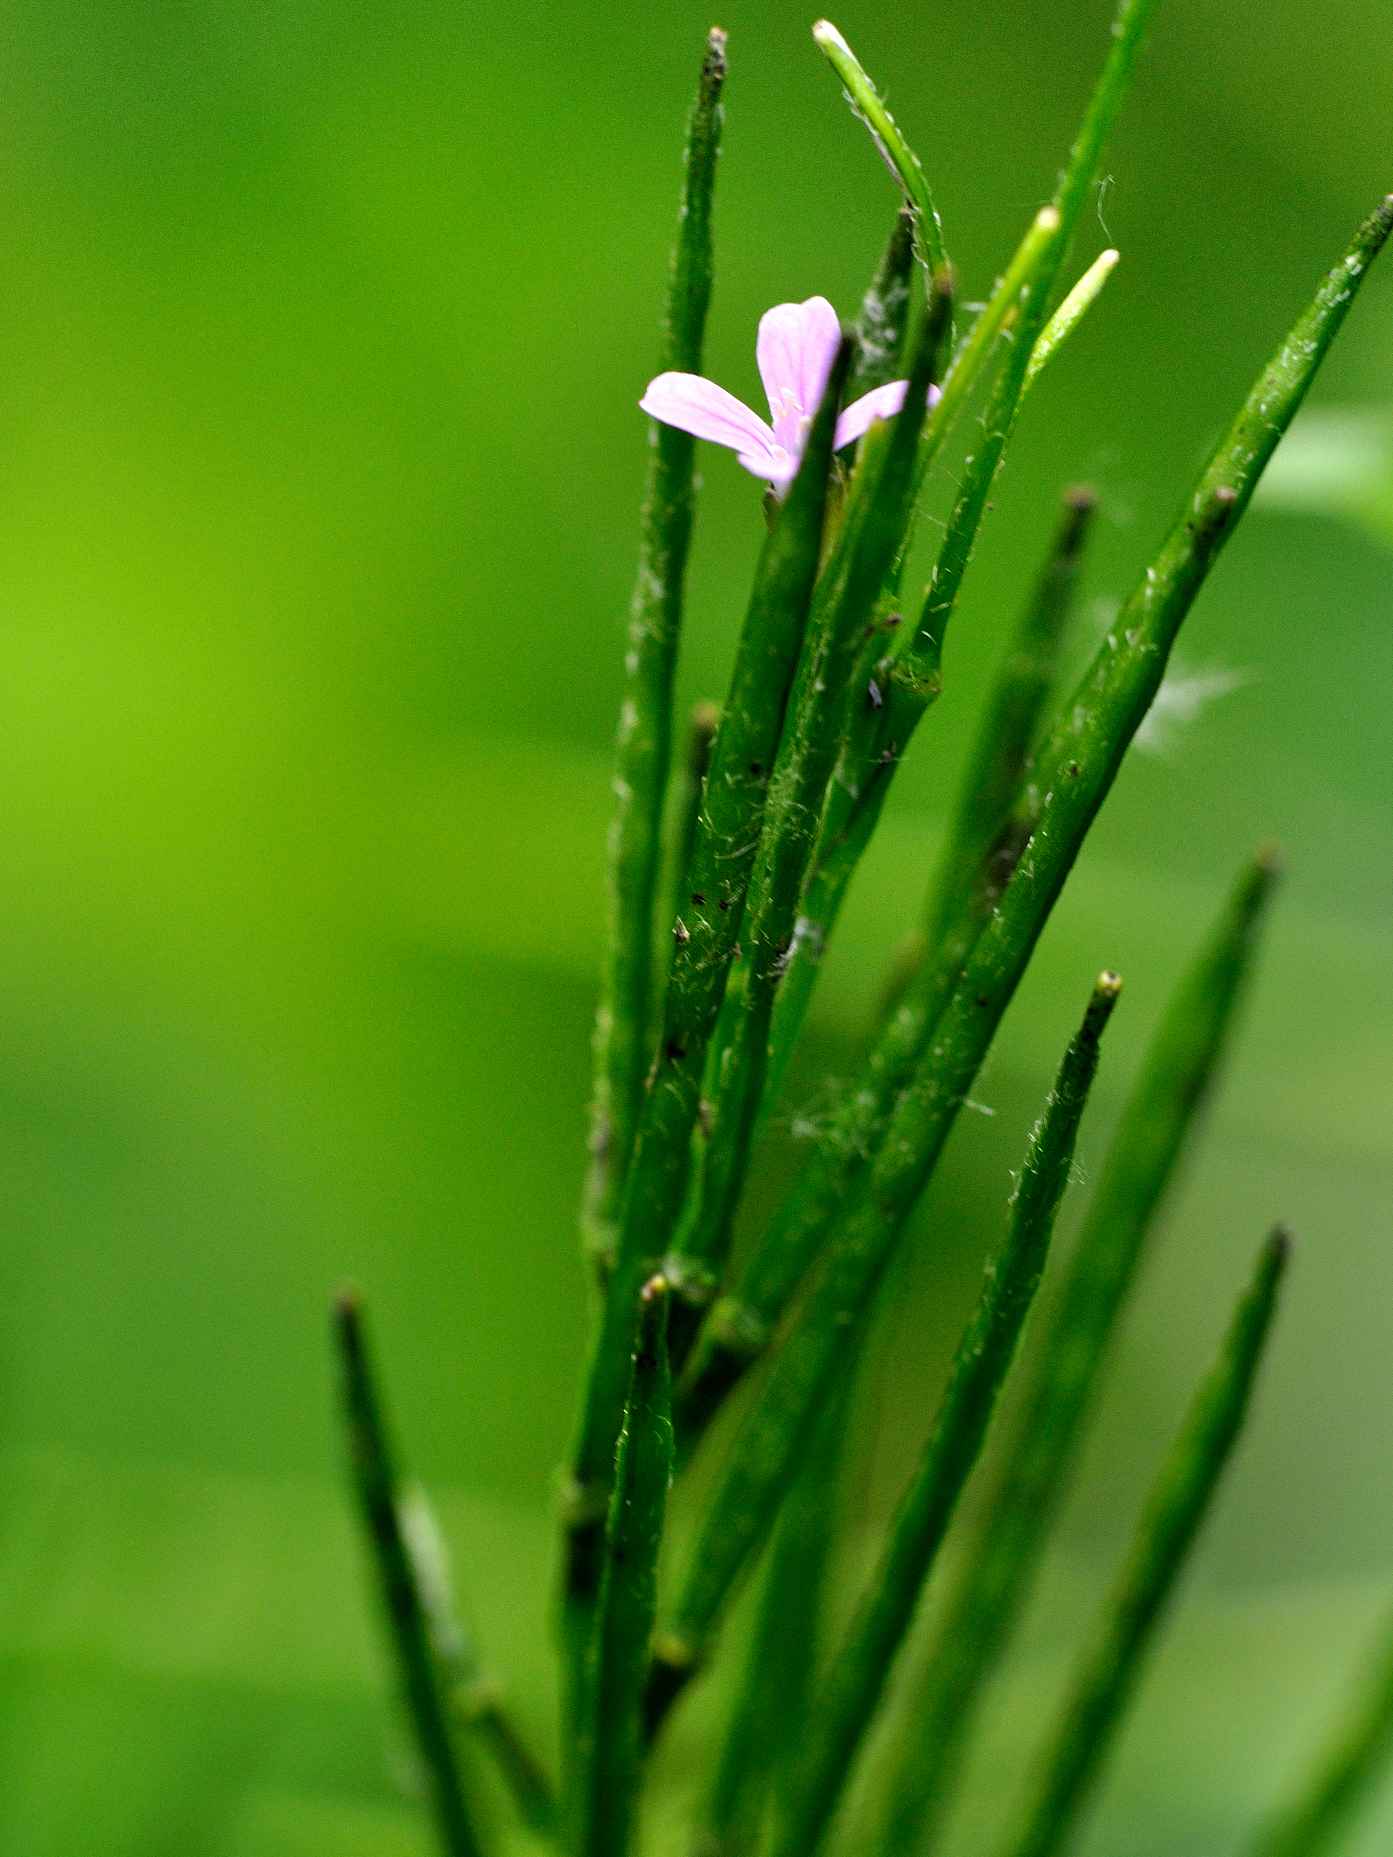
323, 329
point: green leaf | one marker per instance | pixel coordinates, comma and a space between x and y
1347, 1769
1339, 462
682, 827
988, 827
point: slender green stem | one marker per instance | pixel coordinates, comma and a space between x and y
701, 734
1179, 1503
375, 1485
904, 164
476, 1698
994, 1586
911, 682
986, 836
1082, 759
862, 557
969, 363
611, 1751
1315, 1822
1047, 242
1128, 30
775, 1698
644, 745
482, 1709
866, 764
857, 1676
901, 685
922, 648
704, 941
883, 324
908, 679
1071, 313
882, 335
849, 825
1022, 296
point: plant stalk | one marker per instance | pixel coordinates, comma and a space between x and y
375, 1485
857, 1676
643, 748
1098, 1702
1079, 765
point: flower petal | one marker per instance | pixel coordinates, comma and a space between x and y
796, 348
880, 403
777, 467
700, 407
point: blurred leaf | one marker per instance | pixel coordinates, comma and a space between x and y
1338, 460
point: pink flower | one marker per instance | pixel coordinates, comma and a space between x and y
795, 350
